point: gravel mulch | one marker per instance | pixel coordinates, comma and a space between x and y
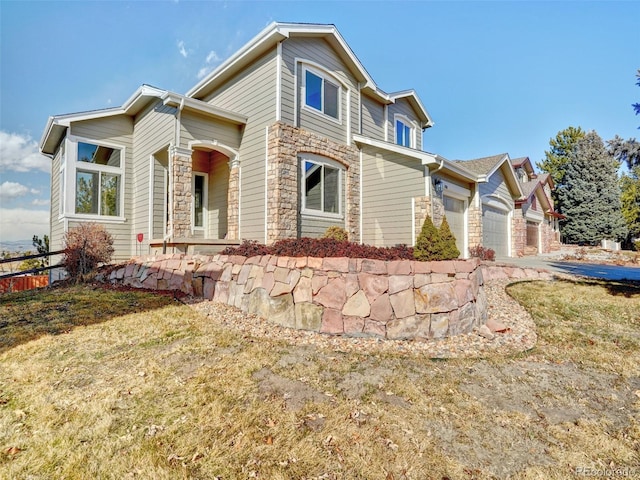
519, 336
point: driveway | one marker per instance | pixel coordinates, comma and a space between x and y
553, 263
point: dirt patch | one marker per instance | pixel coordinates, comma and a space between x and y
294, 392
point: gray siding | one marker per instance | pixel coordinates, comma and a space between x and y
496, 186
402, 107
218, 196
315, 227
195, 126
372, 118
56, 241
321, 53
389, 183
117, 130
160, 180
154, 131
252, 93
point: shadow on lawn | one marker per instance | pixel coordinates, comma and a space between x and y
625, 288
26, 316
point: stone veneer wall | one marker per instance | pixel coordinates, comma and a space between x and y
286, 142
355, 297
180, 210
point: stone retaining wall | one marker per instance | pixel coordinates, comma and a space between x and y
354, 297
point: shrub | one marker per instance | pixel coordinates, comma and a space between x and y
636, 245
429, 244
482, 253
85, 247
337, 233
320, 247
449, 248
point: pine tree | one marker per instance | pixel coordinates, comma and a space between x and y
590, 194
630, 198
428, 244
450, 250
557, 158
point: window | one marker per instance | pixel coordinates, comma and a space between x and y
98, 180
322, 187
404, 132
321, 94
199, 189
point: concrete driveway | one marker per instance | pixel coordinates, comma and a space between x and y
553, 263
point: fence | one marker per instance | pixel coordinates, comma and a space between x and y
25, 280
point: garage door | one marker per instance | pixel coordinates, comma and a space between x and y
495, 232
454, 210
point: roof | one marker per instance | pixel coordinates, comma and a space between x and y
58, 124
484, 165
277, 32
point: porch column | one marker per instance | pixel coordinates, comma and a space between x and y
474, 218
180, 192
422, 210
233, 200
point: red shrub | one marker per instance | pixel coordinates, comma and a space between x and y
482, 253
85, 247
321, 247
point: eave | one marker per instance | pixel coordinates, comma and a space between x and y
435, 161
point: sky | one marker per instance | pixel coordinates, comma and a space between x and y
495, 76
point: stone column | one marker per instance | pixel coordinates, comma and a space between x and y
474, 214
282, 184
233, 200
422, 211
180, 196
519, 237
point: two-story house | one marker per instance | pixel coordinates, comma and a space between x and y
287, 137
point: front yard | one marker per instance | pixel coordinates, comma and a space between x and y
103, 384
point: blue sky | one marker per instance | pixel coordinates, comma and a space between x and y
495, 76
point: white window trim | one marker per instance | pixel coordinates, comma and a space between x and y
325, 76
318, 160
205, 202
406, 121
71, 174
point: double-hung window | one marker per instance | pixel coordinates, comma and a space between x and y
321, 188
98, 180
404, 132
321, 94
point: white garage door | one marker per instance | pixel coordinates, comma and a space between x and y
495, 233
454, 210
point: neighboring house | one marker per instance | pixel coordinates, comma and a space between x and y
536, 229
287, 137
499, 190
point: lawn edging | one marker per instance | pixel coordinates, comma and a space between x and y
399, 299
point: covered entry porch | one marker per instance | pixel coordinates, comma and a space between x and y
195, 199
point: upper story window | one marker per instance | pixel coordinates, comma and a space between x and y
321, 94
98, 175
322, 187
405, 132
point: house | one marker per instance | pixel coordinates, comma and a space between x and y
537, 223
287, 137
499, 191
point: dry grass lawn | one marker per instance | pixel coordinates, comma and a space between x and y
161, 392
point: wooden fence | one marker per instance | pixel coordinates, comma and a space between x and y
27, 279
24, 282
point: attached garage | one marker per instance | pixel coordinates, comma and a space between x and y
495, 230
454, 210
